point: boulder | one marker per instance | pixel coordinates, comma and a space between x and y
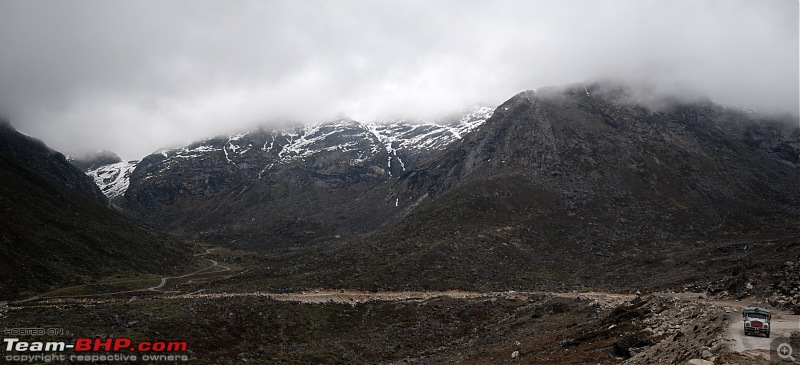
622, 348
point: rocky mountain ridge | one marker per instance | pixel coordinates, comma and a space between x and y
403, 141
589, 154
286, 182
587, 144
46, 161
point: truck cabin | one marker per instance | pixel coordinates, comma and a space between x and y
756, 313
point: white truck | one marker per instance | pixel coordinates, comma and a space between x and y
756, 320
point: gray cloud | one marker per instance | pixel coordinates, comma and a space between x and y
135, 76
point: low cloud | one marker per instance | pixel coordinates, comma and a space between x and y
136, 76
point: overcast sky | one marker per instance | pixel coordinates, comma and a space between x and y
134, 76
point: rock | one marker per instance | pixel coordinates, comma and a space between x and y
622, 348
739, 288
569, 343
700, 362
515, 355
706, 354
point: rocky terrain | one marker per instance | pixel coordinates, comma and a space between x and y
223, 324
786, 286
493, 328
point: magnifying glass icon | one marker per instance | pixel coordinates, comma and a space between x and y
785, 352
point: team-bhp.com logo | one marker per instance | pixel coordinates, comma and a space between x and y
93, 350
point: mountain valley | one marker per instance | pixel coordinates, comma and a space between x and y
560, 187
558, 227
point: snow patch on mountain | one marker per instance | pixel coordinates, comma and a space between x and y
403, 134
113, 179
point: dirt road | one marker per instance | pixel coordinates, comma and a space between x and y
781, 322
342, 296
758, 347
215, 267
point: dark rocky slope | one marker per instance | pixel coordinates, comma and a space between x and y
56, 227
39, 158
619, 171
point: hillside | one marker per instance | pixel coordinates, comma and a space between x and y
577, 186
620, 171
56, 227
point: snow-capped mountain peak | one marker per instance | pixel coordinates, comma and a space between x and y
400, 143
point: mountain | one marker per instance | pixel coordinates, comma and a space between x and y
44, 161
56, 227
293, 185
587, 184
585, 178
682, 168
579, 185
94, 160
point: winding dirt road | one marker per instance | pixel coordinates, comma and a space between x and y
201, 271
155, 288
